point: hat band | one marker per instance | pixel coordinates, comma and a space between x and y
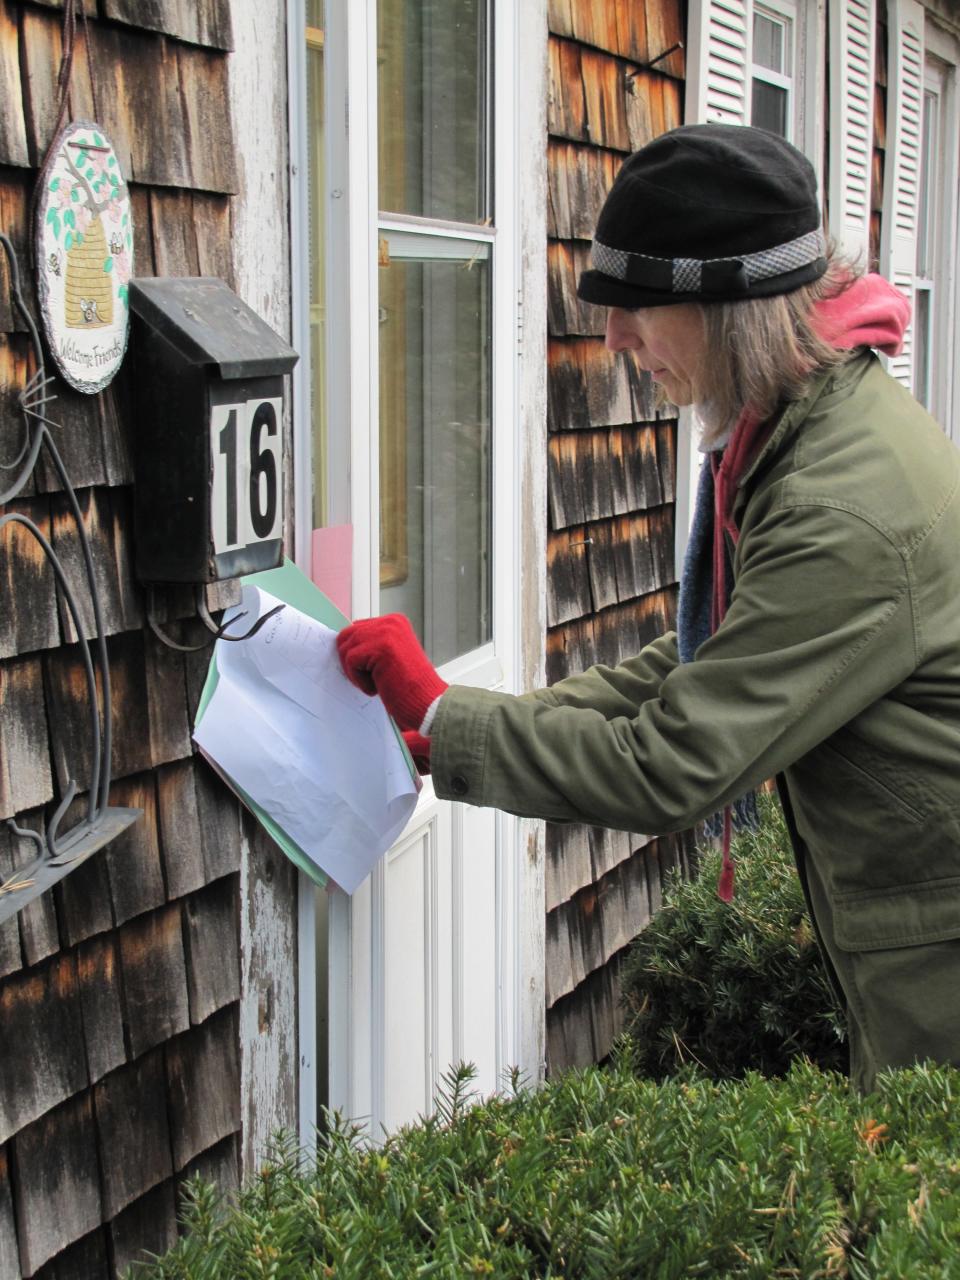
708, 276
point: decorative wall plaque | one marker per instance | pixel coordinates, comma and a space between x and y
84, 256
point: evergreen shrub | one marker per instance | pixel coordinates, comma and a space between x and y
738, 986
601, 1175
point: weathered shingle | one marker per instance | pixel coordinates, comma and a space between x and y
133, 858
117, 600
89, 1256
210, 920
57, 1190
204, 1084
578, 179
180, 837
27, 583
154, 981
44, 1062
98, 980
205, 22
83, 902
589, 387
147, 1226
13, 135
25, 778
9, 1253
131, 1116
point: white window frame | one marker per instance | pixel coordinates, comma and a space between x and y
945, 314
515, 656
784, 14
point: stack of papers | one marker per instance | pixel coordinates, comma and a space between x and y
318, 762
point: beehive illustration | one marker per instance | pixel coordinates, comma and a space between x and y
88, 301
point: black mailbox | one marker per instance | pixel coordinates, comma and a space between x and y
208, 441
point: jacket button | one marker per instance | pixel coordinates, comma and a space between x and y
459, 785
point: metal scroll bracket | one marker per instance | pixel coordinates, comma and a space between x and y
59, 852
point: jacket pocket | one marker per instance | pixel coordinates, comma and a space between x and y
908, 916
870, 779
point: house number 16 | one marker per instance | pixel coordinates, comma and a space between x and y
246, 453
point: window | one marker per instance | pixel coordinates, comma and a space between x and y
435, 264
316, 198
758, 62
771, 104
929, 203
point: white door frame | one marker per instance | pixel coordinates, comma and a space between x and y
515, 659
945, 48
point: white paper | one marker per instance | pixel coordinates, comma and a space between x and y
316, 753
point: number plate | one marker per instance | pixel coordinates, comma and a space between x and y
246, 449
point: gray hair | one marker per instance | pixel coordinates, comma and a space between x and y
765, 352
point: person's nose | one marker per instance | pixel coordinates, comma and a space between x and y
621, 334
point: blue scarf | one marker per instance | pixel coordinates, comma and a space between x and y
693, 617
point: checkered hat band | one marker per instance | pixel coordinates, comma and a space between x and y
686, 274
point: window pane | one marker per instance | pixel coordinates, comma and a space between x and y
435, 461
433, 108
316, 188
921, 346
769, 109
929, 158
768, 43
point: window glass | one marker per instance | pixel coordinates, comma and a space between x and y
926, 229
769, 107
435, 438
316, 202
768, 43
771, 80
433, 109
921, 346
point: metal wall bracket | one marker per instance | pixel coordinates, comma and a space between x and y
57, 853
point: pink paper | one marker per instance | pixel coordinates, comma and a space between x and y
331, 564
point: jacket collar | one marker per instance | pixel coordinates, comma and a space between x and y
790, 420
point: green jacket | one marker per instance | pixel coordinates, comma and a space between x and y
837, 668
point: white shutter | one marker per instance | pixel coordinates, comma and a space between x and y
718, 81
901, 185
852, 35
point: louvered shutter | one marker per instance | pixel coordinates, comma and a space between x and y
718, 82
901, 185
852, 35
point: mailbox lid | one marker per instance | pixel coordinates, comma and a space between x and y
207, 323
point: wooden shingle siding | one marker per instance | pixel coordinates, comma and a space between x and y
611, 577
57, 1181
9, 1253
148, 1224
205, 22
129, 1117
13, 133
119, 990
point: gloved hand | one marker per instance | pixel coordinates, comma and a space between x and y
382, 655
419, 748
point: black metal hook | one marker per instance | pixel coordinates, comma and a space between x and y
645, 66
220, 632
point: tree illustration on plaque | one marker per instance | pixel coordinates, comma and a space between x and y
84, 239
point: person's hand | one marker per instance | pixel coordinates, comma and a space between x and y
382, 655
419, 748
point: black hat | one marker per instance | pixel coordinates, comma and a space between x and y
707, 213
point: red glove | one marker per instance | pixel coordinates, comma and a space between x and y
382, 655
419, 748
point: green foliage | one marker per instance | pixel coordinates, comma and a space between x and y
601, 1175
735, 986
